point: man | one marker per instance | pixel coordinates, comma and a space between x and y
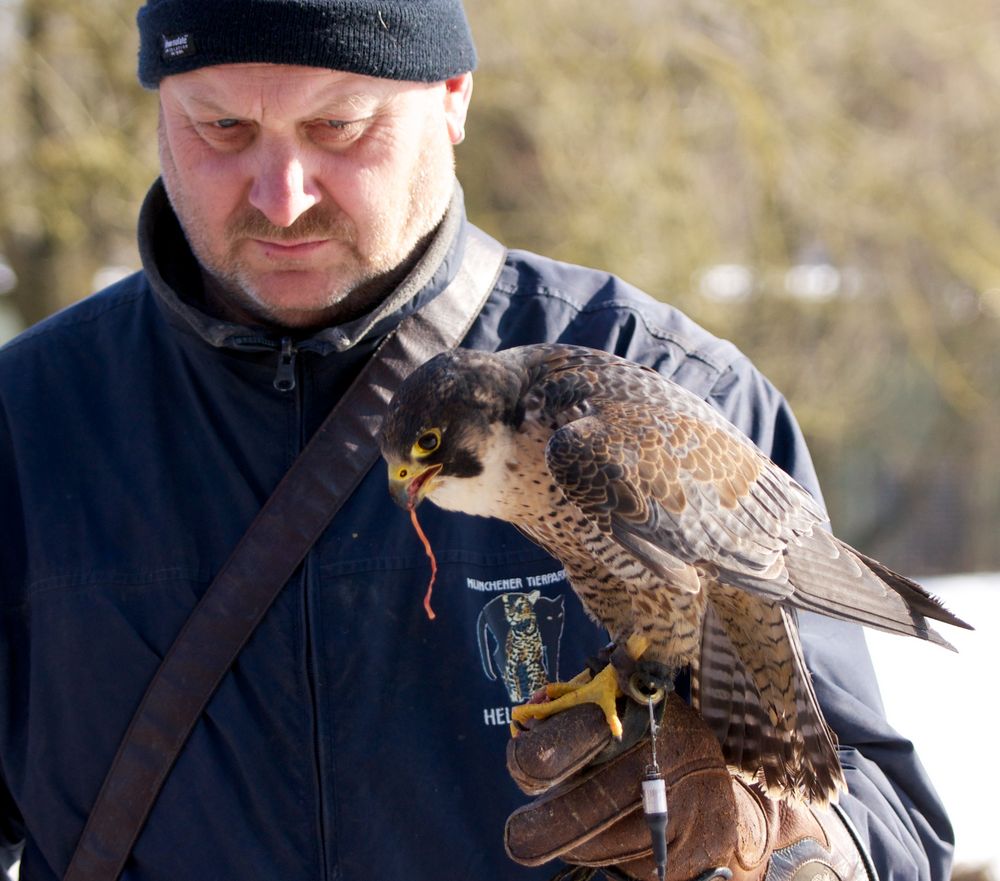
307, 205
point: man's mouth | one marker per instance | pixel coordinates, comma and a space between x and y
289, 249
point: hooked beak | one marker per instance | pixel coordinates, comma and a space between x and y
409, 483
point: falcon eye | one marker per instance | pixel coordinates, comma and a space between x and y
427, 443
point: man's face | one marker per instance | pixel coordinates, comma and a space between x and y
300, 188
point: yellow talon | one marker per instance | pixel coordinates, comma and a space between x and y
556, 690
636, 645
583, 688
602, 690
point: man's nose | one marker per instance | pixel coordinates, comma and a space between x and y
282, 189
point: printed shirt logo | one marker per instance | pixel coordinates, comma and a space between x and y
176, 46
519, 635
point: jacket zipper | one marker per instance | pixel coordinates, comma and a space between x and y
284, 374
284, 378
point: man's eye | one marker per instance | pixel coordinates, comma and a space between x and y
227, 123
339, 130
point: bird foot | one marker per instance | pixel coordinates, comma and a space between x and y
641, 678
601, 689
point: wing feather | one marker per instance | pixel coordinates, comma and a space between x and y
663, 474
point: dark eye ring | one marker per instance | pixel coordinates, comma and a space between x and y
429, 442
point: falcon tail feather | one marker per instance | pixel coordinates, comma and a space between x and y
832, 578
916, 596
780, 741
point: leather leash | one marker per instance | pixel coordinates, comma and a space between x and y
284, 530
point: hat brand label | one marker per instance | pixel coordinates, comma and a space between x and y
176, 46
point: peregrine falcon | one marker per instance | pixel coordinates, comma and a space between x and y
678, 535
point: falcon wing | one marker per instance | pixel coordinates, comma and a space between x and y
675, 491
669, 480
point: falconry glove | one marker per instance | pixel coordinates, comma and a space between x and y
588, 809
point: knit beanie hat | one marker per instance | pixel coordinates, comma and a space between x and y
417, 40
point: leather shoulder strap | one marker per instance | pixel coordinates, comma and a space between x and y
291, 520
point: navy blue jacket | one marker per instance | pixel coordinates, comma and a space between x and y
354, 739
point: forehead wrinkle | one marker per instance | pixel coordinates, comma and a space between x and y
260, 106
206, 103
298, 92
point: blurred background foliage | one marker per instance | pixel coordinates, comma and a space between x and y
816, 181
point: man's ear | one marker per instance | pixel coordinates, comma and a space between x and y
457, 94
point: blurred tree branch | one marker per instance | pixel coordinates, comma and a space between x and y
79, 149
854, 142
664, 138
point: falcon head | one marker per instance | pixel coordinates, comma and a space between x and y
442, 423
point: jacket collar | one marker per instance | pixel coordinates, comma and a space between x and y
175, 277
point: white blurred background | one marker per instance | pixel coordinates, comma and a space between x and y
947, 705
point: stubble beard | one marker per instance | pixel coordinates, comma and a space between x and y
352, 284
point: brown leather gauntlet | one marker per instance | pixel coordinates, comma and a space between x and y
591, 814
